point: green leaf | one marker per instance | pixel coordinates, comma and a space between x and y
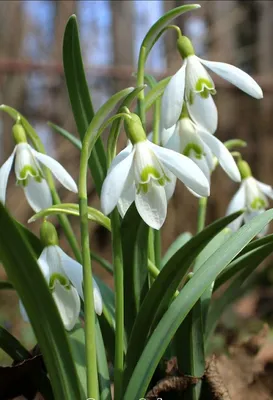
175, 246
72, 139
80, 98
77, 344
184, 302
155, 30
12, 346
164, 287
248, 262
5, 285
240, 263
155, 92
103, 370
73, 209
134, 236
22, 270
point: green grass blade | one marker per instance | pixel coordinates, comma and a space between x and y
26, 277
175, 246
80, 98
184, 302
103, 369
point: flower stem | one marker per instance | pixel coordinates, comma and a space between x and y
119, 303
89, 309
140, 82
202, 210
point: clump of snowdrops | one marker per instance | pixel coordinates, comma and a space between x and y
92, 337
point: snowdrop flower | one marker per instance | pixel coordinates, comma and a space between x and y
193, 141
193, 84
64, 277
141, 173
251, 196
29, 175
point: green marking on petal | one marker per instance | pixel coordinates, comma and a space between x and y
204, 87
58, 277
258, 204
193, 147
28, 170
149, 171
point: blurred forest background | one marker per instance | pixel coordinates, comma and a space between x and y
32, 81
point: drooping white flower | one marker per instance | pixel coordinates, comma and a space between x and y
64, 277
145, 173
251, 196
191, 139
193, 84
30, 177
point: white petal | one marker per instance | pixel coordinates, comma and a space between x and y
184, 169
174, 142
203, 165
121, 156
223, 155
126, 199
166, 134
38, 194
73, 270
238, 201
98, 304
170, 186
23, 311
266, 189
57, 170
173, 97
204, 112
152, 206
235, 76
4, 175
68, 304
44, 263
113, 184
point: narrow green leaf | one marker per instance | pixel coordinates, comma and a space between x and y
67, 135
184, 302
134, 235
155, 92
23, 270
77, 344
248, 263
80, 98
175, 246
12, 346
103, 369
154, 31
73, 209
164, 287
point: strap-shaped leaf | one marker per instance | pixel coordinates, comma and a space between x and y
164, 287
80, 98
155, 92
179, 242
25, 275
103, 370
184, 302
73, 209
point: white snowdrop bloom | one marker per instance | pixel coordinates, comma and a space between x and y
64, 277
143, 173
193, 141
193, 84
251, 196
27, 165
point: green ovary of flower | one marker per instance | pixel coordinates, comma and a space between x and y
204, 87
58, 277
258, 204
193, 147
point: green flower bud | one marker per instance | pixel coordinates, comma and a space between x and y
185, 47
244, 169
134, 129
19, 133
48, 234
